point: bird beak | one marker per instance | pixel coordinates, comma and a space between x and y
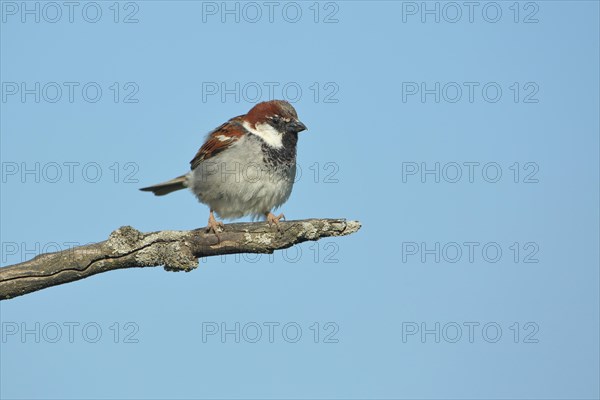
297, 126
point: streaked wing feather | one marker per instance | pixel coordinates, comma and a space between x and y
219, 139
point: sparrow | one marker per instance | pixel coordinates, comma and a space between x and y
246, 166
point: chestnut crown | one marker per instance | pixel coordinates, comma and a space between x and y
279, 114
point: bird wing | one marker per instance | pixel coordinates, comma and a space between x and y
220, 139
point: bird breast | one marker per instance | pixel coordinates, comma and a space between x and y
243, 180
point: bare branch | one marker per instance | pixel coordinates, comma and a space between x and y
176, 250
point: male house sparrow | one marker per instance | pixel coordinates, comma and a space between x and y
246, 166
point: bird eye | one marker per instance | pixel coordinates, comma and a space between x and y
276, 119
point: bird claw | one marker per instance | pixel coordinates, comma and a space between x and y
214, 226
274, 220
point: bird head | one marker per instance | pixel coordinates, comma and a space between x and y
271, 120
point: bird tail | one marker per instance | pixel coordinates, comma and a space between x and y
167, 187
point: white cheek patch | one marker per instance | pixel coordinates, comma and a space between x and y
267, 133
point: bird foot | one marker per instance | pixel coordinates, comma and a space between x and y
214, 225
274, 220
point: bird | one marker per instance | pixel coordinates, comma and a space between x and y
246, 166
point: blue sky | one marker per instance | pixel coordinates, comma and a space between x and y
464, 138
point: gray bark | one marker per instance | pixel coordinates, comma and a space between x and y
176, 250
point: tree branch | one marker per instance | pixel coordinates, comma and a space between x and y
176, 250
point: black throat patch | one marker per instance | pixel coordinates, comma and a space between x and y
284, 156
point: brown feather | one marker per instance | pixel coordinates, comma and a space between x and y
167, 187
262, 111
232, 130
